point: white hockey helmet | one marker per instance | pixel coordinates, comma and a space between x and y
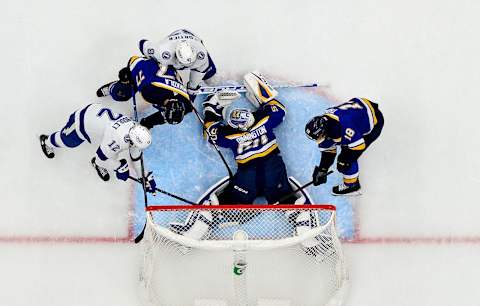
241, 119
140, 136
185, 53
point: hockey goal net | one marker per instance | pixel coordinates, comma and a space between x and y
269, 255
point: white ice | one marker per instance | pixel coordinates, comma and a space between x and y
64, 232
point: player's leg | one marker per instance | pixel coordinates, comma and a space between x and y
67, 137
242, 189
119, 91
275, 180
351, 183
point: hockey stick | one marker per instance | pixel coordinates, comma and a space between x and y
166, 192
241, 88
300, 189
142, 168
230, 174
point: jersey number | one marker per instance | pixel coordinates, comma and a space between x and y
349, 133
247, 145
139, 78
350, 105
109, 114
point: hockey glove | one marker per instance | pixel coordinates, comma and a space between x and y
150, 185
125, 76
174, 111
319, 176
212, 111
122, 171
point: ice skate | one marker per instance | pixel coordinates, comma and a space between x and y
104, 90
47, 150
102, 172
347, 190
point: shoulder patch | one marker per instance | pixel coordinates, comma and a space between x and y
166, 55
150, 51
201, 55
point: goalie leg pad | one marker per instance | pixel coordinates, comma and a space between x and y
259, 91
196, 226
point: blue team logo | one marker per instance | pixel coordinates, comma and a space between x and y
166, 55
201, 55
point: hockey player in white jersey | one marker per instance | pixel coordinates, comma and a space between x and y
184, 51
115, 132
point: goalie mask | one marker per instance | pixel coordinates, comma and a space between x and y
174, 111
185, 53
140, 136
241, 119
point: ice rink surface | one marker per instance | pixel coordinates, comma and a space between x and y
416, 237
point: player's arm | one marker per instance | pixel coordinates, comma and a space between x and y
275, 111
328, 150
213, 108
197, 73
136, 156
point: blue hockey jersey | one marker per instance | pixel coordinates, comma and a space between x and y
156, 82
357, 118
259, 141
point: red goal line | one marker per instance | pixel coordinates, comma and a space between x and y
240, 206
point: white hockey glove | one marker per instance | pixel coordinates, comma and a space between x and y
259, 91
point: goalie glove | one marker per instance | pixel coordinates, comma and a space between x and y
215, 105
259, 91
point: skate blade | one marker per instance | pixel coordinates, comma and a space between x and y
351, 194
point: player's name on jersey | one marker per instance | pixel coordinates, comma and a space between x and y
184, 36
175, 84
252, 135
118, 123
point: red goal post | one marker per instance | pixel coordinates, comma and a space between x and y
243, 255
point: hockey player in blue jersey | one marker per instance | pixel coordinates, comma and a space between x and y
114, 132
250, 136
352, 126
186, 52
158, 84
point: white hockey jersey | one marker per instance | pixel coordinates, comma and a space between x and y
164, 52
97, 123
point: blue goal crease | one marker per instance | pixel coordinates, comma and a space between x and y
183, 163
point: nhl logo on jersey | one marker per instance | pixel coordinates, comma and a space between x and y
166, 55
150, 51
201, 55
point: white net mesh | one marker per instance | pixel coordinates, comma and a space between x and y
242, 255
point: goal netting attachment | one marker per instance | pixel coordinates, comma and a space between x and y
239, 255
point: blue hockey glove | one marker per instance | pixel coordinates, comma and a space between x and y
150, 185
122, 171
